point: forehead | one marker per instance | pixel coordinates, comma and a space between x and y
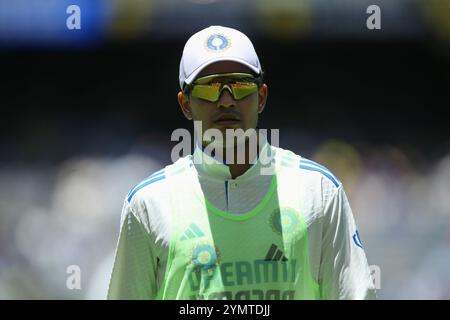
224, 67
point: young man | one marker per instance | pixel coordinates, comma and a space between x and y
212, 227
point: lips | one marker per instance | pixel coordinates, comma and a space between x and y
227, 119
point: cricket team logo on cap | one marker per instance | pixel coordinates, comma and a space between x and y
217, 42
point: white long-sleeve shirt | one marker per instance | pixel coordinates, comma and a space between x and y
337, 259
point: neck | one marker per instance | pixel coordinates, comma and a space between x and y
237, 170
233, 158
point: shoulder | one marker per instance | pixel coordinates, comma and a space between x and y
308, 168
315, 177
155, 186
153, 183
319, 172
149, 200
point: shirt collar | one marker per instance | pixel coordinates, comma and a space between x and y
207, 165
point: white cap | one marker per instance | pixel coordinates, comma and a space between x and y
212, 44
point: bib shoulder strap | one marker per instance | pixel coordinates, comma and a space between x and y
288, 178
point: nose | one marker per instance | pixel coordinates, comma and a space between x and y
226, 99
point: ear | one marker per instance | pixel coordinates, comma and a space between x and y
185, 106
262, 97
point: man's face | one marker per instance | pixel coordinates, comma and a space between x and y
226, 113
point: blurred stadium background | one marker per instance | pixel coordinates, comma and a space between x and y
86, 114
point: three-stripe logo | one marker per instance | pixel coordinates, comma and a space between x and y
275, 254
192, 232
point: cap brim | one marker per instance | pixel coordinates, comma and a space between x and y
194, 74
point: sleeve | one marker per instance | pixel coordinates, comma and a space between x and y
344, 272
134, 274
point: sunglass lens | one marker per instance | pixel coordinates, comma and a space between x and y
243, 89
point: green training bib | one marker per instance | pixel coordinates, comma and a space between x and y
260, 254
